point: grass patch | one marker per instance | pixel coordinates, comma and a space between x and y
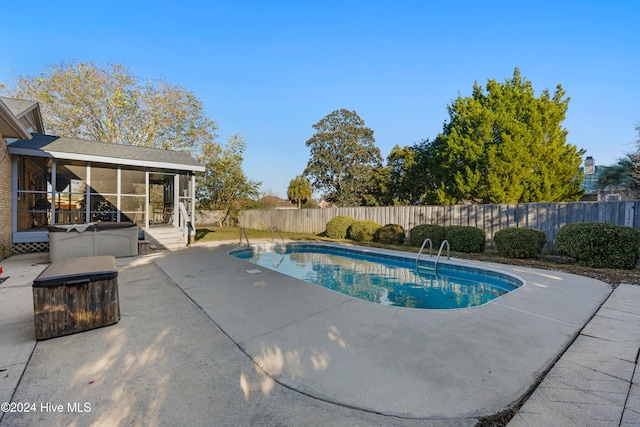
218, 234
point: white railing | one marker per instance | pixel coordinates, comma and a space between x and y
185, 224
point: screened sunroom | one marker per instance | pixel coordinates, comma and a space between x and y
64, 180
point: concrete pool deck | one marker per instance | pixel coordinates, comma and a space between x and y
206, 339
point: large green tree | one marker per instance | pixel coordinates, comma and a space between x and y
505, 145
110, 104
223, 185
299, 190
395, 181
344, 158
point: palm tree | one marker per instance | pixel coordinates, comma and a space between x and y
299, 190
623, 174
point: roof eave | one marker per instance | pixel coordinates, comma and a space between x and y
17, 130
38, 118
102, 159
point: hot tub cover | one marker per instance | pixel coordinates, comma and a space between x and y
74, 271
89, 226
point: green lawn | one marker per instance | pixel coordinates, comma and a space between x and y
214, 234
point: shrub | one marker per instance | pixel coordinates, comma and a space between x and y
600, 245
519, 242
338, 226
363, 231
465, 239
419, 233
390, 234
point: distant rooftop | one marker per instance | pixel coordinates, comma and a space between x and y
590, 180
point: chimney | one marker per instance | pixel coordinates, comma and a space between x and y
589, 166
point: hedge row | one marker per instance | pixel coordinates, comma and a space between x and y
338, 226
592, 244
345, 227
363, 231
460, 238
519, 242
600, 245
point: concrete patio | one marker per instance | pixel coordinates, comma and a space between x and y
204, 339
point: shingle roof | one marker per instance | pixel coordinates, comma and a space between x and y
10, 126
79, 149
21, 108
18, 107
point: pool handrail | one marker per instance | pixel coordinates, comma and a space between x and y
273, 230
435, 266
422, 248
243, 231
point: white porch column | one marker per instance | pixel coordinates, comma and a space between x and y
193, 201
87, 195
54, 184
176, 200
14, 196
118, 193
146, 198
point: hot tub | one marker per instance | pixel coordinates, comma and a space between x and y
119, 239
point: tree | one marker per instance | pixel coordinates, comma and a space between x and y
223, 185
393, 184
616, 175
404, 175
110, 104
506, 145
299, 190
635, 164
623, 174
343, 158
269, 201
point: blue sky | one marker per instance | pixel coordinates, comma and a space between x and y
270, 70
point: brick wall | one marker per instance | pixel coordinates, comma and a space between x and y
5, 199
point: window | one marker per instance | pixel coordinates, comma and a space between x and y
133, 197
71, 192
33, 202
104, 194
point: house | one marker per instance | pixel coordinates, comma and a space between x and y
53, 180
17, 119
592, 192
274, 202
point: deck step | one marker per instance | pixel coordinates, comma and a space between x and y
165, 238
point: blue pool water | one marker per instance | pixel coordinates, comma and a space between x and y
384, 279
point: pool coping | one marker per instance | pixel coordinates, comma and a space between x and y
482, 361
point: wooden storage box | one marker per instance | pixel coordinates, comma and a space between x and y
75, 295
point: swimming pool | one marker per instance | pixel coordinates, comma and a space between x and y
383, 278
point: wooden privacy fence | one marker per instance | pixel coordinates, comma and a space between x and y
546, 217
